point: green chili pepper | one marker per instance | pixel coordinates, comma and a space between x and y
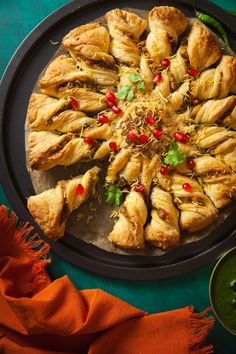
211, 21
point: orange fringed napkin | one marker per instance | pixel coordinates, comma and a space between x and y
38, 316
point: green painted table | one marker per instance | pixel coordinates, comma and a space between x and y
17, 19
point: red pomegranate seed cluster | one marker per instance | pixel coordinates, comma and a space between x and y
178, 136
191, 164
193, 72
183, 138
143, 139
110, 96
79, 189
113, 146
139, 188
116, 109
157, 133
157, 78
111, 102
165, 63
74, 104
88, 140
150, 120
103, 119
132, 136
187, 187
164, 170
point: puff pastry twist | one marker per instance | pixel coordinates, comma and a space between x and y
48, 149
128, 230
52, 208
166, 25
219, 182
216, 82
199, 51
89, 45
212, 111
125, 29
196, 209
163, 230
218, 141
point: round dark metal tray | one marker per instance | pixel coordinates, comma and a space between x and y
16, 86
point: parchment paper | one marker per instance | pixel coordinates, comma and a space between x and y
92, 222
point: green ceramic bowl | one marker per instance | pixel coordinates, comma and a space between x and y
222, 290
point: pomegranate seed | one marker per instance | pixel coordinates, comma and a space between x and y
116, 109
74, 104
110, 103
139, 188
164, 170
150, 120
165, 63
157, 78
112, 146
196, 102
110, 96
88, 140
143, 139
132, 136
178, 136
157, 133
187, 187
103, 119
191, 164
181, 137
184, 138
193, 72
79, 189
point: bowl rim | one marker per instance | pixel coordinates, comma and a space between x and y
213, 273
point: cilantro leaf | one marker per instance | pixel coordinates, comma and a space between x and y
128, 91
113, 195
122, 92
135, 77
130, 95
175, 155
141, 86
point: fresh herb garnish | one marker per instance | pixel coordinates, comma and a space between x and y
124, 91
128, 91
141, 86
130, 95
113, 195
135, 77
175, 155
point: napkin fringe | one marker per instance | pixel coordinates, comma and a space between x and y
200, 327
31, 244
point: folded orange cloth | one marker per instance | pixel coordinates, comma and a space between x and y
38, 316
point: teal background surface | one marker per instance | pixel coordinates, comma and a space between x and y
17, 19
